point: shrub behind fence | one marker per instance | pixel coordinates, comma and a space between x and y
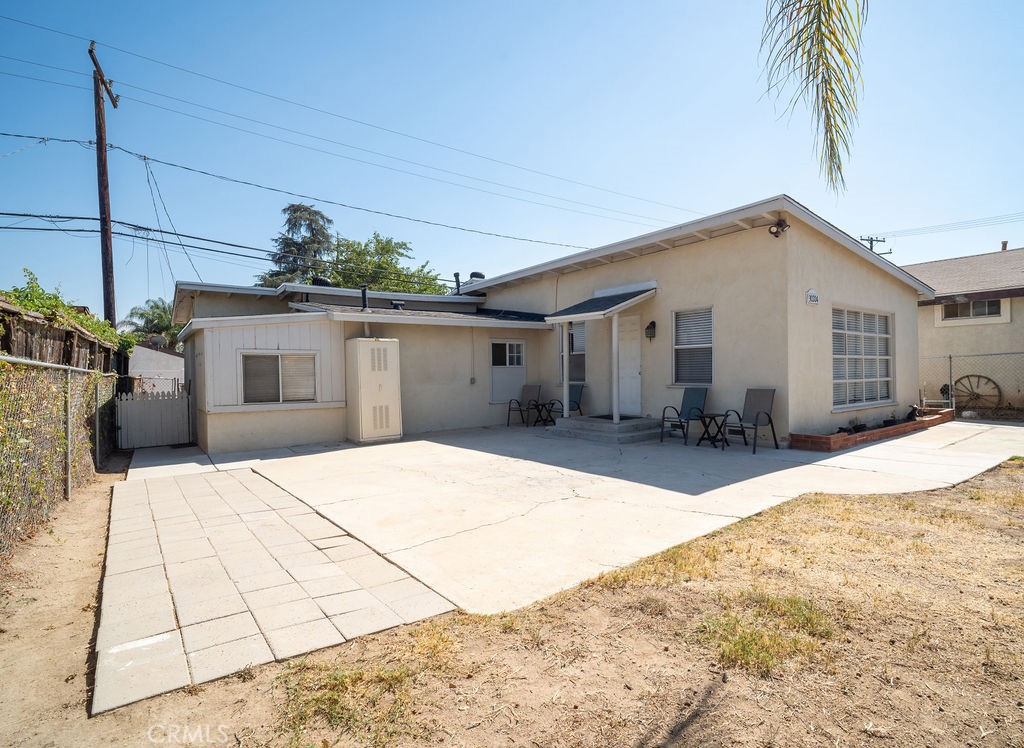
35, 402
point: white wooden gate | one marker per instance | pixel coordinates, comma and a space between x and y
152, 419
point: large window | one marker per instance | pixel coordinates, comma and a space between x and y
278, 378
577, 352
692, 358
971, 309
861, 357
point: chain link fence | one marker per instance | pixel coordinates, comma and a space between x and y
56, 428
988, 386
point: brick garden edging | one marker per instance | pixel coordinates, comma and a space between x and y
835, 442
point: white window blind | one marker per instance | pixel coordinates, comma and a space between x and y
298, 378
861, 357
692, 360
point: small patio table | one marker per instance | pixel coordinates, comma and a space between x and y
544, 414
712, 425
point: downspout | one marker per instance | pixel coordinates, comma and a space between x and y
565, 369
615, 368
366, 308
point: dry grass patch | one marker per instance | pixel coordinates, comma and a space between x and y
682, 563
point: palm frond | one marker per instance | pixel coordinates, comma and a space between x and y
816, 45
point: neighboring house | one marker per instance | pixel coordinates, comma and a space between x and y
977, 312
978, 305
766, 295
155, 362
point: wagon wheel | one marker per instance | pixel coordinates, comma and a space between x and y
977, 391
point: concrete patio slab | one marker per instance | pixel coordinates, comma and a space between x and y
497, 518
187, 600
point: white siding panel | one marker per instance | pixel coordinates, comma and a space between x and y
224, 346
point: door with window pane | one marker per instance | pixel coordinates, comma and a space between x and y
508, 369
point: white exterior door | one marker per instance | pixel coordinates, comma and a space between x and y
630, 336
508, 369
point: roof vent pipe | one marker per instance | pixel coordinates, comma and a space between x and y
476, 275
458, 286
1006, 243
366, 303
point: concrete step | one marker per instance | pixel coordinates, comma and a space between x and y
584, 423
605, 437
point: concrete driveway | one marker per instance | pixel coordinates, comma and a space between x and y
494, 519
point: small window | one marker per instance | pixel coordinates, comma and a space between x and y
692, 360
506, 354
972, 309
274, 378
577, 352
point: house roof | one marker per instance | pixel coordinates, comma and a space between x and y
600, 306
184, 291
993, 271
755, 215
478, 318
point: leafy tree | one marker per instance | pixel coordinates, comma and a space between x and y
815, 45
52, 305
300, 247
378, 262
152, 318
307, 249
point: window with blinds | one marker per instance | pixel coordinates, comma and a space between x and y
577, 352
861, 357
692, 343
274, 378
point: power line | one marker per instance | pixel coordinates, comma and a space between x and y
971, 223
142, 231
281, 191
363, 123
382, 154
314, 149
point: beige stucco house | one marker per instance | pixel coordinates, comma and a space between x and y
766, 295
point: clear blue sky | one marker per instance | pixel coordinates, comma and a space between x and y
663, 100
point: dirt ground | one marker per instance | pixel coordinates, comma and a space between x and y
830, 620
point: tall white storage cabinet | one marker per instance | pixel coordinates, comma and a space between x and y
373, 389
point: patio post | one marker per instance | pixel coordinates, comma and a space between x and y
565, 368
615, 368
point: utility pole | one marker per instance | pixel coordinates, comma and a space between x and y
872, 241
99, 85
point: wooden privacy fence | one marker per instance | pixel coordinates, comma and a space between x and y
152, 419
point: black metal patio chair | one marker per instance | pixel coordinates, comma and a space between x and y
691, 407
757, 412
555, 405
524, 405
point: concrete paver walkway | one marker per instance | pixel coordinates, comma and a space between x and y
209, 572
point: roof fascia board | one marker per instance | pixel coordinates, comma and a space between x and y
705, 224
951, 298
203, 323
838, 235
410, 318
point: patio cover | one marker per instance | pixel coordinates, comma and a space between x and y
600, 307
